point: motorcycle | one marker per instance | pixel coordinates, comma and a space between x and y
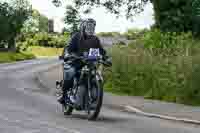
90, 82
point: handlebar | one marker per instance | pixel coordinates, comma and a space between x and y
84, 59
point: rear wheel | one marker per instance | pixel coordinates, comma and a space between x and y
93, 113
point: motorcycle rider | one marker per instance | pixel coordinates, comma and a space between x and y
80, 42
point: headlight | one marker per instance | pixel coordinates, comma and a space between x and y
93, 72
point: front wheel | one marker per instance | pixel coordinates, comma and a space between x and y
67, 110
93, 114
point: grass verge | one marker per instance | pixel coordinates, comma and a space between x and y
32, 53
7, 57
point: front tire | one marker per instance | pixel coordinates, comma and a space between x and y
93, 115
67, 110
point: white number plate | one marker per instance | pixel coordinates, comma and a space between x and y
94, 52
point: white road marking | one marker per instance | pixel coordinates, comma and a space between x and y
185, 120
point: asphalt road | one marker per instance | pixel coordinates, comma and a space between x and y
24, 109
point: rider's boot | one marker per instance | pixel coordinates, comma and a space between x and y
61, 100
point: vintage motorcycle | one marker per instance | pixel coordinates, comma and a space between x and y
90, 82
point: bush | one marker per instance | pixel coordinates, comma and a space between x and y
168, 43
145, 72
42, 39
109, 34
133, 34
158, 39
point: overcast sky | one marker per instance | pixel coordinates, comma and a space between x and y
106, 22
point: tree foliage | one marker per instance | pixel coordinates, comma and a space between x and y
12, 17
36, 22
132, 7
196, 17
72, 18
173, 15
170, 15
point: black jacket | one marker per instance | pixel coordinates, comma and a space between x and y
79, 44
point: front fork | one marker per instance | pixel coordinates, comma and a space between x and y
89, 88
86, 81
87, 96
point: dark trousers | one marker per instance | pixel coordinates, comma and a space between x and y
71, 71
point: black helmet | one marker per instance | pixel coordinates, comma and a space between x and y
88, 26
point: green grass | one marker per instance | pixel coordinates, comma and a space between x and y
6, 57
31, 53
45, 51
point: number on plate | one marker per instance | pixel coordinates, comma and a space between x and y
94, 52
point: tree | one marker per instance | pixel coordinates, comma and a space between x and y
12, 17
196, 17
132, 7
37, 22
173, 15
72, 18
31, 25
43, 23
170, 15
4, 16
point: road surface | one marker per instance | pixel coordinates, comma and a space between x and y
26, 108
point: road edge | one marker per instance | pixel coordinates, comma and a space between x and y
132, 109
